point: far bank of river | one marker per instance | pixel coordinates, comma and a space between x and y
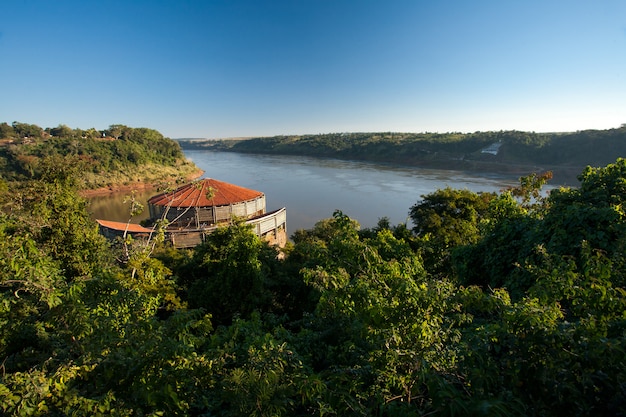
312, 188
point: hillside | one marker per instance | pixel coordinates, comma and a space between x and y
112, 158
566, 154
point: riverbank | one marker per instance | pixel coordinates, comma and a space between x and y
562, 175
134, 186
502, 153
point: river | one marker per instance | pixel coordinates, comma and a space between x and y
312, 189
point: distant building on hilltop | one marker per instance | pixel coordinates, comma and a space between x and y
196, 209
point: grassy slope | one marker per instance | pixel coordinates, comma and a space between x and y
143, 176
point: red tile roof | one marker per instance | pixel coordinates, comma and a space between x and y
205, 193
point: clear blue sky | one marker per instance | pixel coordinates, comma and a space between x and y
247, 68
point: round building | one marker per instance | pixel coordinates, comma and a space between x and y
195, 210
206, 203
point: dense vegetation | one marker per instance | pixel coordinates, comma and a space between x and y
565, 154
490, 304
115, 156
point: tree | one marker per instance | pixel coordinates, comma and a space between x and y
382, 334
529, 192
25, 130
117, 131
6, 131
226, 276
91, 133
448, 218
62, 131
593, 212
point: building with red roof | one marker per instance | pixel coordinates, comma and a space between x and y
206, 202
198, 208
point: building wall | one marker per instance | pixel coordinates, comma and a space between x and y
206, 216
277, 237
271, 227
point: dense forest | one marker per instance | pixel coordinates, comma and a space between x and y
488, 304
564, 154
114, 156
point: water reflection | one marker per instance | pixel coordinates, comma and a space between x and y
113, 206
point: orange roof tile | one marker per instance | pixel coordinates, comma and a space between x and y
132, 227
205, 193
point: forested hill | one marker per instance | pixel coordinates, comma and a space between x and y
115, 156
566, 154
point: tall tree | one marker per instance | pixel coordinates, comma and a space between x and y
448, 218
25, 130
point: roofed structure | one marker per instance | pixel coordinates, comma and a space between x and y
205, 193
194, 210
206, 203
113, 229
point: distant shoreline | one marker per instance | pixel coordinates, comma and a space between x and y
566, 155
